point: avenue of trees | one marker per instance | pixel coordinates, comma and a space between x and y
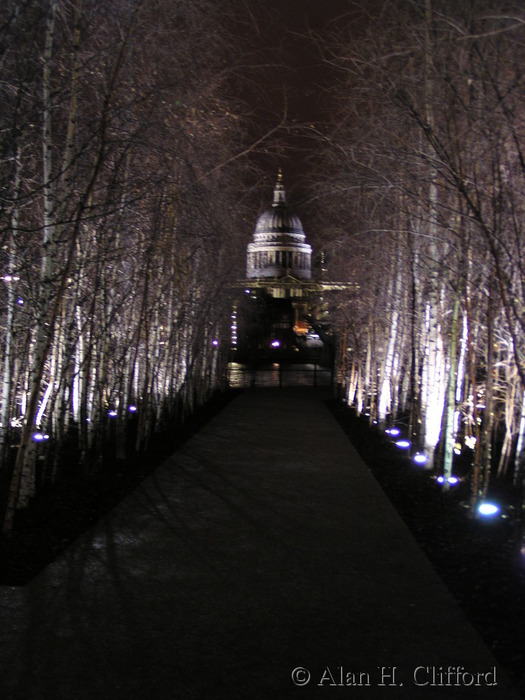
425, 181
123, 220
119, 227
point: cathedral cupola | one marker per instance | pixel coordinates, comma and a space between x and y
278, 247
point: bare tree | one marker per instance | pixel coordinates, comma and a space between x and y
428, 141
129, 220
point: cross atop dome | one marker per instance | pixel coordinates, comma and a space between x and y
279, 195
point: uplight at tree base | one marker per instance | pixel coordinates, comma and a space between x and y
393, 432
420, 458
10, 278
403, 444
452, 480
488, 510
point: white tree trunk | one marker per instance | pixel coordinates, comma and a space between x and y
10, 280
385, 393
433, 384
450, 433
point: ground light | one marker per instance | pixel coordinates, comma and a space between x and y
488, 510
403, 444
420, 458
452, 480
275, 344
393, 432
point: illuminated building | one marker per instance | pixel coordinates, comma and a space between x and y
280, 307
278, 250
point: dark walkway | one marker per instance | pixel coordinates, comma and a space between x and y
262, 546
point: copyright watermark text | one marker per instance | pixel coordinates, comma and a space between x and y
384, 676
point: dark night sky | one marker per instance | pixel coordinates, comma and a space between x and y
280, 37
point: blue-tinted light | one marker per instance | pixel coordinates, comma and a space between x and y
420, 458
403, 444
394, 432
452, 480
112, 414
488, 509
276, 344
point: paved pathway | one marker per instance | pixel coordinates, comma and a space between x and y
262, 546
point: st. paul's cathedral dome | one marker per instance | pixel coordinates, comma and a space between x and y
278, 248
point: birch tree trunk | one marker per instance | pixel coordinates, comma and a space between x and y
488, 413
22, 473
385, 393
520, 449
450, 432
53, 272
10, 280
